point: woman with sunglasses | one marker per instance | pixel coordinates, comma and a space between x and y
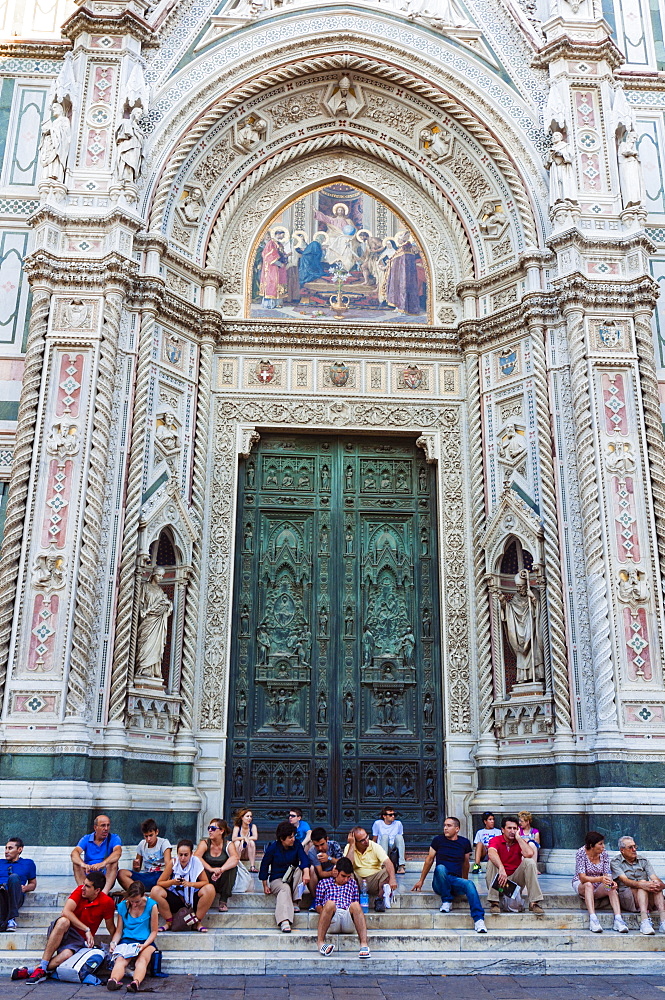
220, 860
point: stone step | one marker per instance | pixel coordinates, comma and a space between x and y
436, 940
409, 919
307, 961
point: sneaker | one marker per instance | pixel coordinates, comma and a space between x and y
11, 925
646, 927
387, 893
37, 974
620, 925
20, 973
537, 909
379, 905
662, 927
475, 869
446, 906
594, 924
285, 927
479, 927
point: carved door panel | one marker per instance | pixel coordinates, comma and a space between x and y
335, 694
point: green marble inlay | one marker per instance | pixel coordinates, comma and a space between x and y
620, 774
65, 827
78, 767
6, 96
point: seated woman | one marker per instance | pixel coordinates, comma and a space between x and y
184, 882
530, 834
282, 856
245, 835
134, 937
593, 880
219, 859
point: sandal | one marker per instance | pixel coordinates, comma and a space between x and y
166, 926
133, 986
364, 952
223, 908
254, 871
113, 984
327, 949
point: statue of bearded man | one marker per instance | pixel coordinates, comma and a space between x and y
521, 615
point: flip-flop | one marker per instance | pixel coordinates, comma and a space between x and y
364, 952
133, 987
327, 949
165, 927
202, 930
223, 908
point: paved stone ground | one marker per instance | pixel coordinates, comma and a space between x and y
366, 988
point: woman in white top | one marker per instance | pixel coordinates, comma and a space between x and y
388, 831
184, 882
244, 837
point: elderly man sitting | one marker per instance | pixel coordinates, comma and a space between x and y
639, 886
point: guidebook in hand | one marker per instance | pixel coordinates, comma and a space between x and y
508, 889
126, 950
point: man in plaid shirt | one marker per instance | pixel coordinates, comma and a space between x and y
338, 905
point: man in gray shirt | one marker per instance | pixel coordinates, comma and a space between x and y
638, 885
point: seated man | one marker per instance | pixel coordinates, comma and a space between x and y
76, 927
152, 855
372, 866
482, 839
388, 831
510, 857
303, 829
98, 851
323, 854
451, 875
338, 906
638, 885
19, 875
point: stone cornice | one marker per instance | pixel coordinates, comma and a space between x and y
578, 51
511, 272
66, 274
330, 337
620, 243
25, 48
56, 216
482, 332
641, 81
575, 290
126, 23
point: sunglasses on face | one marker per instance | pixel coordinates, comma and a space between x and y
213, 828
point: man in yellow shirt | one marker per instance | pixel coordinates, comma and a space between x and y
371, 863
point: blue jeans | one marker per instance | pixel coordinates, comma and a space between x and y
16, 895
446, 886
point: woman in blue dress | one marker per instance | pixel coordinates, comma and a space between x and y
134, 938
311, 266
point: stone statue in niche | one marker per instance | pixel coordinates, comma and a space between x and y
303, 648
344, 99
348, 622
422, 479
370, 785
521, 615
389, 790
244, 620
251, 475
250, 132
429, 787
325, 478
192, 206
368, 643
320, 782
281, 703
349, 708
512, 446
407, 647
348, 478
348, 784
324, 539
261, 786
563, 186
631, 177
348, 540
238, 784
47, 573
436, 143
298, 787
263, 643
428, 710
248, 536
323, 622
633, 586
54, 145
167, 431
427, 623
322, 709
241, 708
128, 149
154, 612
280, 785
620, 459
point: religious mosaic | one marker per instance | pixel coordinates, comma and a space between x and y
339, 252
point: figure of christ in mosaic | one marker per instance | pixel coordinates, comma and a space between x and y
339, 251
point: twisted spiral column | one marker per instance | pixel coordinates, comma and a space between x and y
478, 520
90, 561
599, 617
126, 624
192, 606
21, 465
558, 651
653, 422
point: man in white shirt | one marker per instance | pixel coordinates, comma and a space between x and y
388, 832
482, 839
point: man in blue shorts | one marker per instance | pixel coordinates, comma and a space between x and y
152, 855
98, 851
19, 875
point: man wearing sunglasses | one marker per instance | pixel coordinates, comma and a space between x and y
638, 885
389, 833
303, 829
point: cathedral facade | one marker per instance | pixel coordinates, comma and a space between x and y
332, 445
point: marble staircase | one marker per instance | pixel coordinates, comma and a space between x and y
411, 938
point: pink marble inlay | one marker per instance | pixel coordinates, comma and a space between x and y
56, 513
625, 519
102, 85
69, 384
636, 633
614, 400
44, 621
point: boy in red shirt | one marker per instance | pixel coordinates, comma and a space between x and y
76, 927
509, 856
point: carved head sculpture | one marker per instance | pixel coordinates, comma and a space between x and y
57, 109
344, 85
157, 575
522, 581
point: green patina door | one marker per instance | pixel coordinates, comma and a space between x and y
335, 694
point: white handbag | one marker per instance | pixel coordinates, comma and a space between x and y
244, 880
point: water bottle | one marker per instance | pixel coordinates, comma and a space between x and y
364, 897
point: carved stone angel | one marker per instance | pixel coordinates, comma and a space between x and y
563, 185
128, 148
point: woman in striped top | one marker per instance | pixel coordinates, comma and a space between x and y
593, 880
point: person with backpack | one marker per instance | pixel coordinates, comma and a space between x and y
98, 851
19, 875
134, 937
77, 925
388, 833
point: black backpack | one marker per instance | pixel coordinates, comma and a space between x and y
393, 854
4, 908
